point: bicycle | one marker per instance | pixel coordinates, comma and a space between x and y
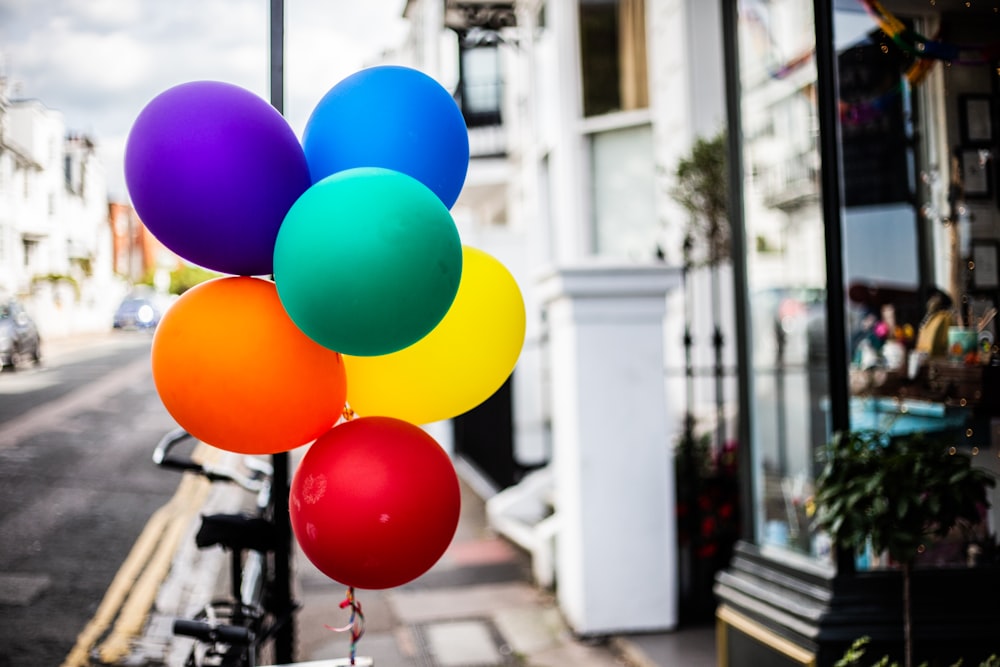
255, 625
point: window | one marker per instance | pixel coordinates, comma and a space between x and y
908, 252
30, 251
624, 210
786, 275
481, 85
613, 55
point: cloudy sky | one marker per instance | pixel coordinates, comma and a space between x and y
99, 62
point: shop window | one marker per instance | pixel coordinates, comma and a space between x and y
613, 55
789, 380
918, 210
917, 127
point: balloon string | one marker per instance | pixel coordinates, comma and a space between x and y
356, 623
348, 413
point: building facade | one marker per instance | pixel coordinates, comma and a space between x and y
56, 250
861, 141
864, 174
578, 115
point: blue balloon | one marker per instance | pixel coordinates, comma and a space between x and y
391, 117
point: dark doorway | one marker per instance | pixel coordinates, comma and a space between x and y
484, 436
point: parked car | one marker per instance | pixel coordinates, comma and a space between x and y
137, 311
19, 339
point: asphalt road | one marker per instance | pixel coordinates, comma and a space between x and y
77, 488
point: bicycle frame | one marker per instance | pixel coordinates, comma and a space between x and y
255, 542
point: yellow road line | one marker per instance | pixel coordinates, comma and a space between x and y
119, 587
165, 527
134, 612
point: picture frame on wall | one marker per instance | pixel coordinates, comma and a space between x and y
976, 165
985, 257
982, 314
975, 118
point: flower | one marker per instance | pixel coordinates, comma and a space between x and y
707, 496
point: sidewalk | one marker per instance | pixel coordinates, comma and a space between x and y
476, 607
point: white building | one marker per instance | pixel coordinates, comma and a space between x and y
55, 238
592, 116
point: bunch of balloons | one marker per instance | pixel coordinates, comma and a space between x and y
347, 291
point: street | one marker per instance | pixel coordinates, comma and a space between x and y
77, 487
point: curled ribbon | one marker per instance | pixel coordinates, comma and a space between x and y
355, 624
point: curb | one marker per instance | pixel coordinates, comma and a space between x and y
195, 577
630, 653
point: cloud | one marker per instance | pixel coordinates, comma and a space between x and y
100, 62
115, 64
318, 58
106, 13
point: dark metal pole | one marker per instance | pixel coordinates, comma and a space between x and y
278, 55
717, 342
284, 641
744, 355
829, 146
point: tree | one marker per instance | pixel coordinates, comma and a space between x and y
701, 189
186, 276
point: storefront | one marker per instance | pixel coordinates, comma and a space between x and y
867, 188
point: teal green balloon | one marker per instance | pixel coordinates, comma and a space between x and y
367, 261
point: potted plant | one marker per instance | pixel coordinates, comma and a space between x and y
893, 493
708, 518
852, 657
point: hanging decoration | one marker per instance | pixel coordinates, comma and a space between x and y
232, 368
355, 624
354, 225
926, 53
374, 502
460, 363
918, 46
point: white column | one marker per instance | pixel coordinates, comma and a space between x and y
616, 561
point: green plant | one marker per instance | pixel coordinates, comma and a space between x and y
852, 657
56, 278
894, 492
186, 276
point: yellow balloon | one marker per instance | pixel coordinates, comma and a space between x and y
459, 364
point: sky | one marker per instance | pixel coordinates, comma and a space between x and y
99, 62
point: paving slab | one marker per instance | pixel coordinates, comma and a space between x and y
532, 630
424, 606
463, 644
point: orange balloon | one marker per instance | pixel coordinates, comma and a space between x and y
233, 369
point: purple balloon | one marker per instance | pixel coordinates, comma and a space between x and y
212, 169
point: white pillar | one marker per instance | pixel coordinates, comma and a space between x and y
616, 561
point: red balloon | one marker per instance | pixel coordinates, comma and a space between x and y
374, 502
